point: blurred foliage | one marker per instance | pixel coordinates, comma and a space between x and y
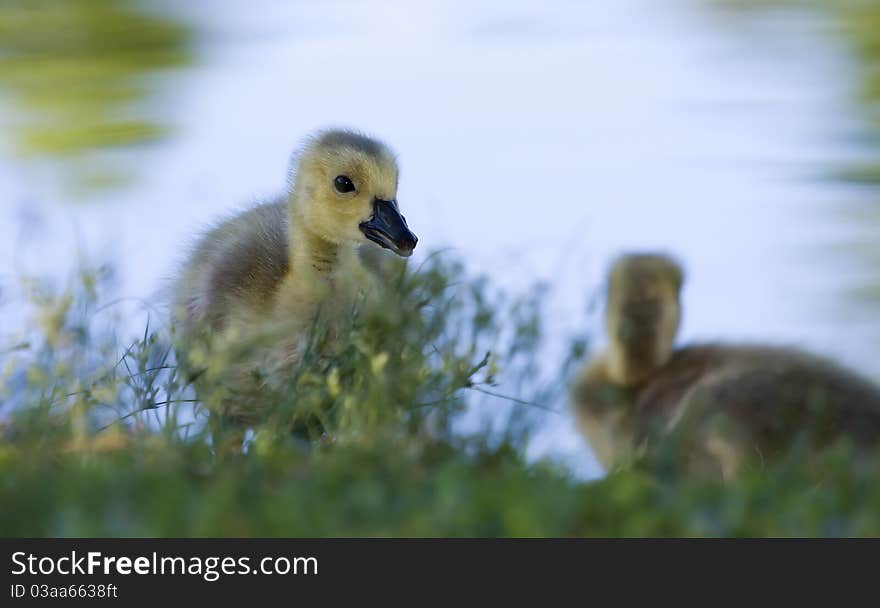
80, 72
412, 488
103, 437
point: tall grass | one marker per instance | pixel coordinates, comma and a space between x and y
373, 434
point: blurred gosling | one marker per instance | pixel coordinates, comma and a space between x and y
269, 271
721, 407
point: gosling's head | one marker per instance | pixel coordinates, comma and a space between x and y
345, 191
642, 314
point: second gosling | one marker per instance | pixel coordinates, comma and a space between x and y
723, 406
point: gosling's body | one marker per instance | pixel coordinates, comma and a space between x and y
263, 277
724, 406
238, 266
242, 273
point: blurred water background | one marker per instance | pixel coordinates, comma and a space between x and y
537, 140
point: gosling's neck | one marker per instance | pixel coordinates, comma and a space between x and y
311, 254
317, 274
631, 367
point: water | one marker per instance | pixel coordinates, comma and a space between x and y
538, 140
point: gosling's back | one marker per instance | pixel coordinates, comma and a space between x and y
778, 393
237, 265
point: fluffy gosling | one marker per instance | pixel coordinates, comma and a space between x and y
723, 407
269, 272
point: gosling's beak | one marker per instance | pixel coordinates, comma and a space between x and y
388, 228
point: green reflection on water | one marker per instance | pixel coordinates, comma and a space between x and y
856, 23
77, 74
861, 26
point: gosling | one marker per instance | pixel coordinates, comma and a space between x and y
722, 407
271, 270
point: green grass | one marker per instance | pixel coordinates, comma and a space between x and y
105, 438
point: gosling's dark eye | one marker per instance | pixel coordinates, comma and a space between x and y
343, 184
